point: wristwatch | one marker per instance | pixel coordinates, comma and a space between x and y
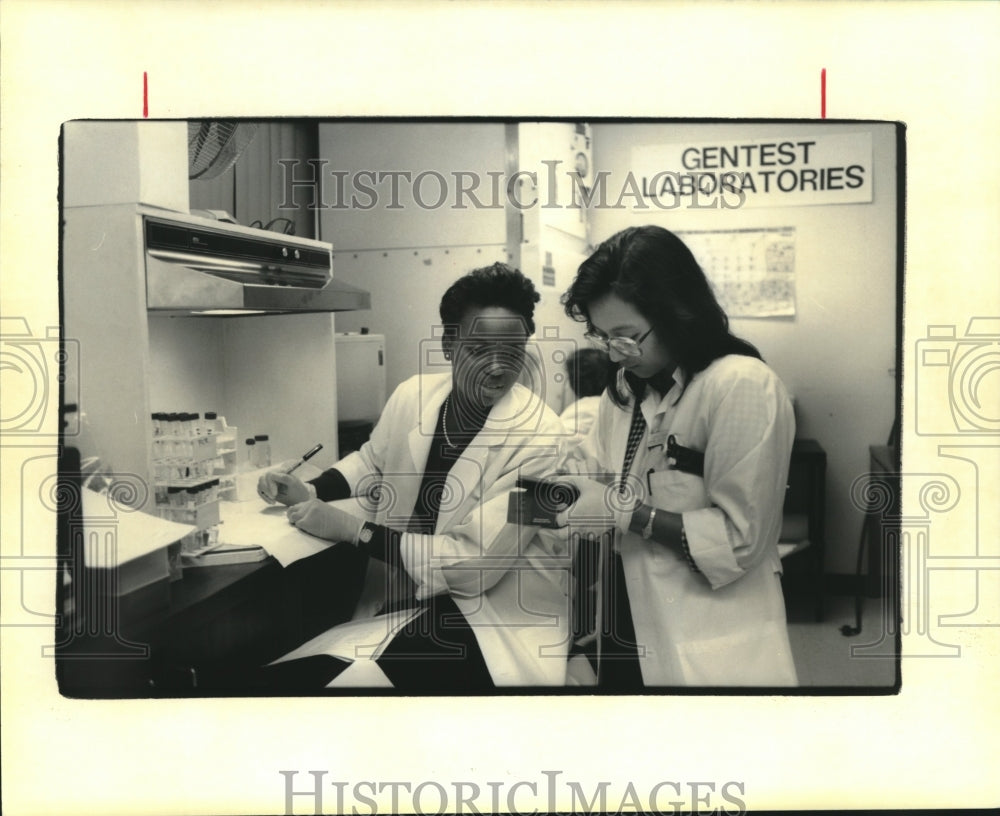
366, 533
647, 531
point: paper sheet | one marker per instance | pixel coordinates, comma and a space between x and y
364, 674
356, 640
133, 533
254, 522
257, 523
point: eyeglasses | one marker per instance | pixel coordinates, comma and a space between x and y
623, 345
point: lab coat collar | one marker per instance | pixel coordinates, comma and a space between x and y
513, 413
653, 404
517, 411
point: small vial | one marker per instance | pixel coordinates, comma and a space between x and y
263, 450
249, 458
211, 423
185, 450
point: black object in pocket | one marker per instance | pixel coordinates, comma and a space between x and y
686, 460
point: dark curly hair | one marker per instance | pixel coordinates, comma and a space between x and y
653, 270
496, 285
587, 371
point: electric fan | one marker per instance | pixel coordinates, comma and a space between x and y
214, 146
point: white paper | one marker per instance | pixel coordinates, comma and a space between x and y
363, 674
254, 522
363, 639
129, 534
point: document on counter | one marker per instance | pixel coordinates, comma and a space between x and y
117, 534
363, 639
256, 523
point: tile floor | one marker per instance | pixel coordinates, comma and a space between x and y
825, 658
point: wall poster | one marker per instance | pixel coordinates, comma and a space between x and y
752, 270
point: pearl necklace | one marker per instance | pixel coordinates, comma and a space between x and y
444, 423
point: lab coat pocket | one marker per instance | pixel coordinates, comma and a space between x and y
677, 491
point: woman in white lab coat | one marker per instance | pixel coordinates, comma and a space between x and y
432, 484
697, 431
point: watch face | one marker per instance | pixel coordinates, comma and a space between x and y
366, 534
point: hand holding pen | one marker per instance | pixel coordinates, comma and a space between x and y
281, 486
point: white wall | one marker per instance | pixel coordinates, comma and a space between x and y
125, 162
553, 240
406, 254
186, 363
271, 375
837, 354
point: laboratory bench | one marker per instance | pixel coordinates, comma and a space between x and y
205, 634
209, 632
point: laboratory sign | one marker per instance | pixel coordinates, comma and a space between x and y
774, 171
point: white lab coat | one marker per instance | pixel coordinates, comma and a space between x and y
725, 625
516, 604
579, 417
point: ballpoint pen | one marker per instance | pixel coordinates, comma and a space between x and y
305, 458
309, 454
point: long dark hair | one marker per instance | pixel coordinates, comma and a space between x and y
653, 270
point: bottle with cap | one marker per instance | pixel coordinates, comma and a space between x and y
262, 450
248, 461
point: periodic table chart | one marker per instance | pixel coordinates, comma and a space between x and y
751, 270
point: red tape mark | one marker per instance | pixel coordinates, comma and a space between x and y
822, 94
145, 95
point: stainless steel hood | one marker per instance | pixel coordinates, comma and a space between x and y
197, 266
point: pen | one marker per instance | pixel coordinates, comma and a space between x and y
309, 454
305, 458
